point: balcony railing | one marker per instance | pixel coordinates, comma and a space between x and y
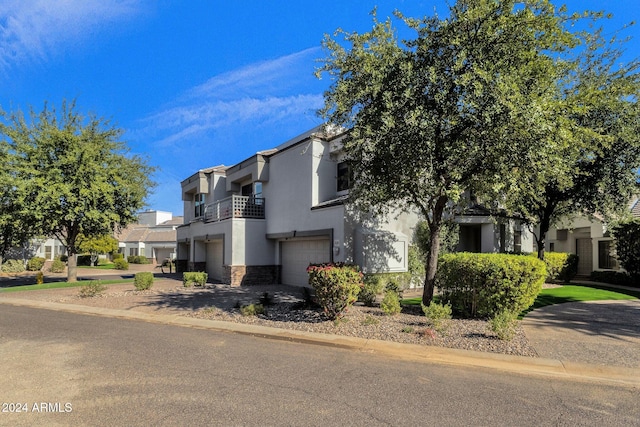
235, 207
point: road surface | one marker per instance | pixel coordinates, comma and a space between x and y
63, 369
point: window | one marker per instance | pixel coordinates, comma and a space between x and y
606, 257
247, 190
552, 247
517, 241
133, 251
344, 176
198, 203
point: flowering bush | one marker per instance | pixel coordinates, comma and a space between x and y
336, 285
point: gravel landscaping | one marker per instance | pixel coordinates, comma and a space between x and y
370, 322
220, 302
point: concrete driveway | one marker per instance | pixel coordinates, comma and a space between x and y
603, 333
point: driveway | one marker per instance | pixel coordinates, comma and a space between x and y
597, 332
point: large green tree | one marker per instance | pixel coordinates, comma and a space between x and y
79, 176
15, 231
451, 110
96, 245
588, 161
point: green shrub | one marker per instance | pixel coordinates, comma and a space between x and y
35, 263
91, 289
615, 278
481, 285
103, 261
393, 286
252, 309
369, 320
39, 278
143, 280
437, 315
57, 266
64, 258
117, 255
373, 285
336, 286
121, 264
13, 266
84, 260
390, 304
504, 324
561, 266
137, 259
197, 278
627, 236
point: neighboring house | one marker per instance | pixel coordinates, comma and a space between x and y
265, 219
154, 236
47, 248
590, 239
484, 230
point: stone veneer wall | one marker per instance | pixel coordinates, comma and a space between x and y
250, 275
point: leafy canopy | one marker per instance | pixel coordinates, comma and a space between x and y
451, 110
79, 176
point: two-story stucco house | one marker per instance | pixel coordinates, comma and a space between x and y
590, 239
266, 218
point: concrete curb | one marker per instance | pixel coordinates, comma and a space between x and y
410, 352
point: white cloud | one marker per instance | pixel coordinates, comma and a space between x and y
261, 93
258, 78
33, 30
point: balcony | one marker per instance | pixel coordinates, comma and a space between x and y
235, 207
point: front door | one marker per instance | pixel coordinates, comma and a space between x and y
584, 251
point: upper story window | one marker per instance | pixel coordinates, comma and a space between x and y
253, 190
198, 204
344, 176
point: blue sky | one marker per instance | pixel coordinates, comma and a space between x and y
194, 83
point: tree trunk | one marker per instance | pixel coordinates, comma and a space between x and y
435, 225
432, 265
545, 222
72, 267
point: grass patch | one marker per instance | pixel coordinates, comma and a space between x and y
577, 293
57, 285
567, 293
110, 266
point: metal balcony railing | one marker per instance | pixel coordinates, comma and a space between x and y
235, 207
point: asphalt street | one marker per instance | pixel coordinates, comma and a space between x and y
72, 369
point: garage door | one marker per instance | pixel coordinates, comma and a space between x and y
214, 260
298, 254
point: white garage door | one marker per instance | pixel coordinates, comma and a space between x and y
214, 260
298, 254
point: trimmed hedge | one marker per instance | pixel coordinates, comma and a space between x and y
13, 266
336, 285
143, 280
57, 266
561, 266
482, 285
138, 259
84, 260
121, 264
616, 278
36, 263
197, 278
